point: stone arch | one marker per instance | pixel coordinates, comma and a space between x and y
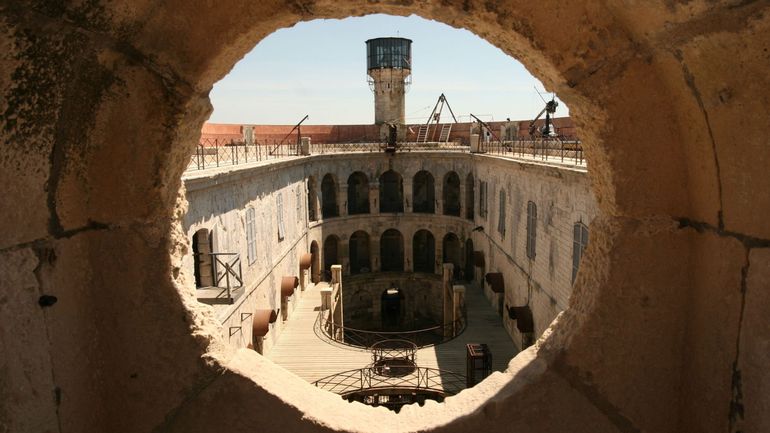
312, 199
451, 193
423, 192
331, 255
424, 251
391, 192
329, 206
67, 183
451, 249
358, 248
358, 193
392, 251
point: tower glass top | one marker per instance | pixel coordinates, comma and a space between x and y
389, 53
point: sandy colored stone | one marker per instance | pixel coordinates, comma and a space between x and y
28, 394
755, 345
108, 98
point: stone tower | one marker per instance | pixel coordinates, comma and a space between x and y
389, 67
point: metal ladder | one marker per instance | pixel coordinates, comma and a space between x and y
443, 137
422, 134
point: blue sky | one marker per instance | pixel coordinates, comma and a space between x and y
319, 68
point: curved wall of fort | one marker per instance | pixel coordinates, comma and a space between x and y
379, 215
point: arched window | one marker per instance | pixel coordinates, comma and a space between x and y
579, 244
392, 251
469, 196
329, 207
312, 199
391, 192
331, 246
423, 193
424, 252
531, 229
452, 255
358, 249
358, 194
452, 194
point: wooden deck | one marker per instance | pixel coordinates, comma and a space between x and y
300, 350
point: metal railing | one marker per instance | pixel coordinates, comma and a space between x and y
366, 339
324, 148
366, 379
563, 149
211, 153
227, 267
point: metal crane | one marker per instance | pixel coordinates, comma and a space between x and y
549, 109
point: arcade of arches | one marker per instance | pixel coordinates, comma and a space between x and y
665, 331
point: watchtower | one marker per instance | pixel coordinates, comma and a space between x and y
389, 70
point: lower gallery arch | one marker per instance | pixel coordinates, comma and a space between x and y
392, 251
452, 253
315, 264
424, 251
68, 220
331, 256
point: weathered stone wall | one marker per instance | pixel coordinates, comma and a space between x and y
218, 202
563, 198
422, 303
103, 102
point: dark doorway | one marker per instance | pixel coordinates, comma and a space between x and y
392, 311
329, 206
315, 262
424, 252
312, 199
423, 193
358, 194
452, 194
331, 246
202, 248
452, 253
391, 192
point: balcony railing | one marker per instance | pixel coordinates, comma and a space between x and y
212, 153
561, 149
227, 277
363, 338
